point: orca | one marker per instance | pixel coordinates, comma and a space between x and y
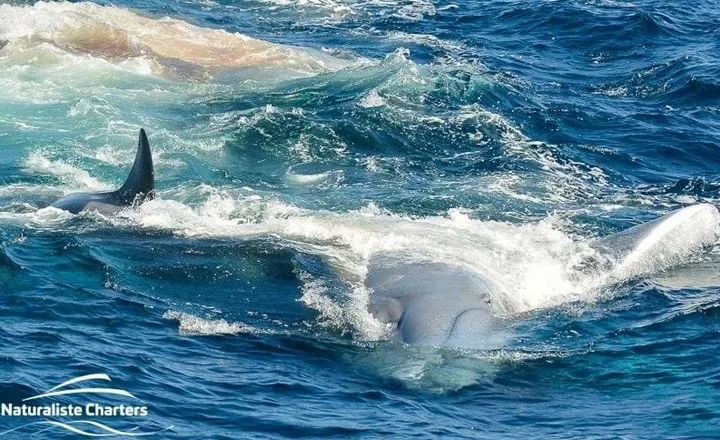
138, 187
439, 304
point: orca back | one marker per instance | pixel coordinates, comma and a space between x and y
138, 187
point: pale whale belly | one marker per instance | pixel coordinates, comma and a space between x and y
432, 303
439, 304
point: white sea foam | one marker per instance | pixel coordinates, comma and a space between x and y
338, 10
42, 218
425, 39
72, 177
311, 179
191, 325
372, 99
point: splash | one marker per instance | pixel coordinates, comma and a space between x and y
74, 178
191, 325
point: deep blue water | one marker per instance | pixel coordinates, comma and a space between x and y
233, 304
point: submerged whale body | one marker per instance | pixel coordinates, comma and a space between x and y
138, 187
439, 304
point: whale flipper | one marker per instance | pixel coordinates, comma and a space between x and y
661, 243
138, 187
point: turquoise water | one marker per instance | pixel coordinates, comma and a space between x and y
501, 135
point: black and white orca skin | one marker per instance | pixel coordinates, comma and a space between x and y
137, 188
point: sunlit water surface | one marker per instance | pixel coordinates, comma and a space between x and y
502, 135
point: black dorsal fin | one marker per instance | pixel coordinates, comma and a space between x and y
140, 183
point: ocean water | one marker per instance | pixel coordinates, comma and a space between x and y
296, 139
